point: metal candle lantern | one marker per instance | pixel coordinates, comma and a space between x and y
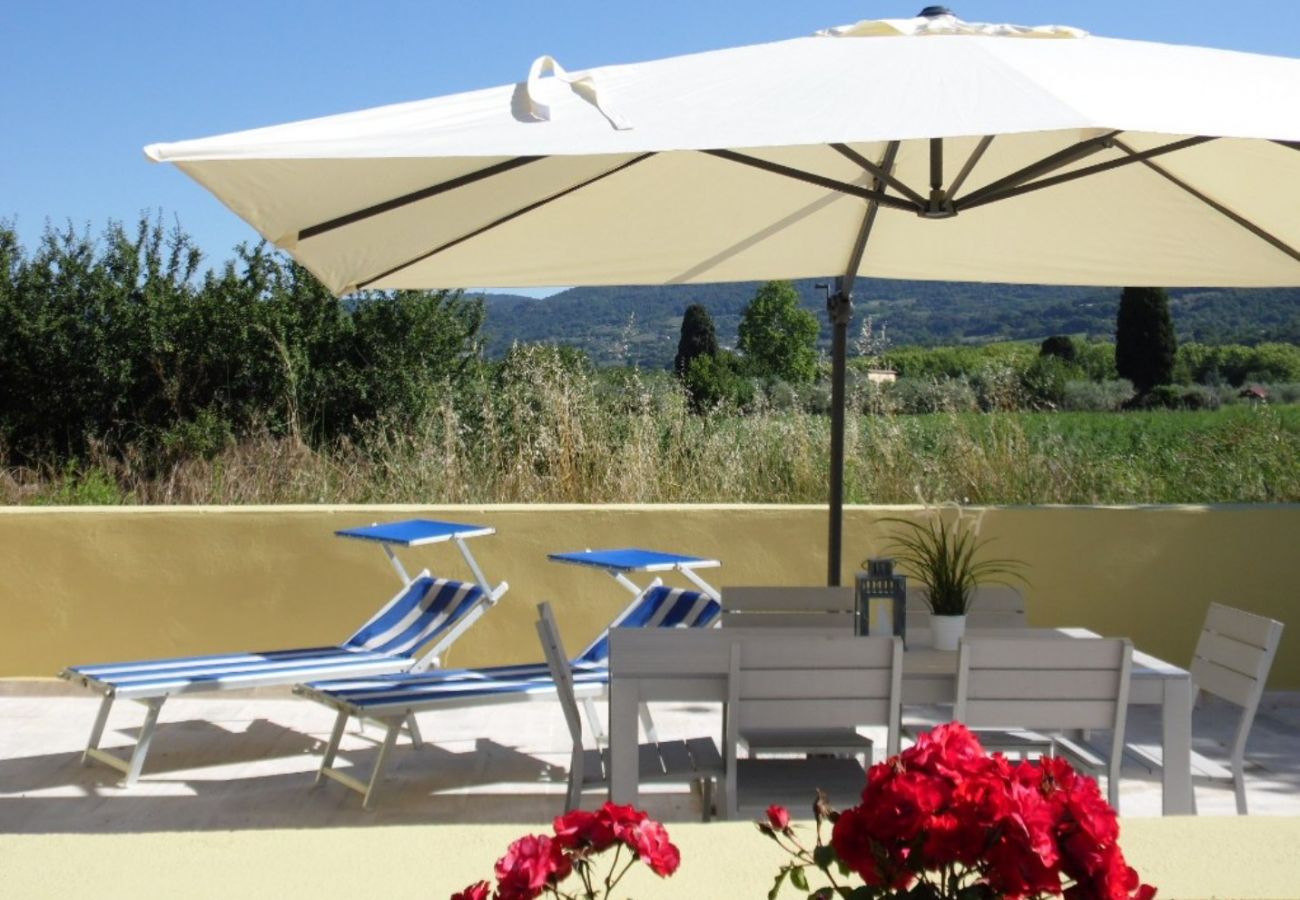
880, 599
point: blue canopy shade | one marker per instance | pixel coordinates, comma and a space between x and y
414, 532
633, 559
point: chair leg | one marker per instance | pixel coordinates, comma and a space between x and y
97, 730
142, 745
413, 728
577, 775
332, 749
706, 798
390, 738
648, 724
1239, 786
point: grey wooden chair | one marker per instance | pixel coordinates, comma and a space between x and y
802, 682
1231, 662
1009, 686
795, 609
695, 761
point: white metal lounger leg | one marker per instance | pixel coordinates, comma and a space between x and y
365, 788
413, 728
142, 744
593, 719
332, 749
389, 740
130, 769
97, 730
648, 724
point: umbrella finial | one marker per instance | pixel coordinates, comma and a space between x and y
931, 12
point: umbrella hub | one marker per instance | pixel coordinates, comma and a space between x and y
940, 205
931, 12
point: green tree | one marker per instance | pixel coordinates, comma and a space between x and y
777, 336
1145, 345
717, 381
1060, 346
698, 338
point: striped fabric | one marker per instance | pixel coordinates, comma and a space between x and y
424, 609
411, 690
231, 670
416, 615
658, 607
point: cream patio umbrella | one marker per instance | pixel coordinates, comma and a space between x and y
925, 148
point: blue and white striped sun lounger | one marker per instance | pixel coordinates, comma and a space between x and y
393, 700
427, 613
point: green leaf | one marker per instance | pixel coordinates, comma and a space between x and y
824, 856
862, 892
798, 878
776, 885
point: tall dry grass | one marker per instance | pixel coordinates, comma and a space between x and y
547, 432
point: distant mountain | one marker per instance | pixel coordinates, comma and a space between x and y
641, 324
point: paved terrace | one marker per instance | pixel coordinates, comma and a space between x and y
227, 796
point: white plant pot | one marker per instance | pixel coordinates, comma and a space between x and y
947, 631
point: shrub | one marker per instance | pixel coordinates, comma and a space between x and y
1096, 396
941, 395
1169, 396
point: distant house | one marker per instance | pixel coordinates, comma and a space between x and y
882, 376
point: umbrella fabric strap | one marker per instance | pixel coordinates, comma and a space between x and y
583, 85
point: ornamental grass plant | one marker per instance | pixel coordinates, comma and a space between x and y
941, 553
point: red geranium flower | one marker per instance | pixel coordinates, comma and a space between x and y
584, 831
478, 891
649, 840
945, 812
530, 864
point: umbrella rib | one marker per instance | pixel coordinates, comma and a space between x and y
868, 223
1261, 233
312, 231
1073, 153
1096, 169
887, 177
504, 219
842, 187
976, 155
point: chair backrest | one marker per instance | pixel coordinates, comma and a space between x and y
423, 610
808, 681
658, 606
1232, 660
1044, 682
823, 608
994, 606
802, 681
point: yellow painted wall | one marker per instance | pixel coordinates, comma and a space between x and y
94, 585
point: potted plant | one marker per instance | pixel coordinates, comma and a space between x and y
941, 553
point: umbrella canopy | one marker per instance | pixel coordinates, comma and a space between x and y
925, 148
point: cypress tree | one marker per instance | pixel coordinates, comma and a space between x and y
1145, 344
698, 338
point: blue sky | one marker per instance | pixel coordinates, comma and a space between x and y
87, 84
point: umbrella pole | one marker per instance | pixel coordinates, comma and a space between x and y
839, 307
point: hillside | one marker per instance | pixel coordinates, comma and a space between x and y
640, 324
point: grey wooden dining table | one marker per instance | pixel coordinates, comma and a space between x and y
648, 666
